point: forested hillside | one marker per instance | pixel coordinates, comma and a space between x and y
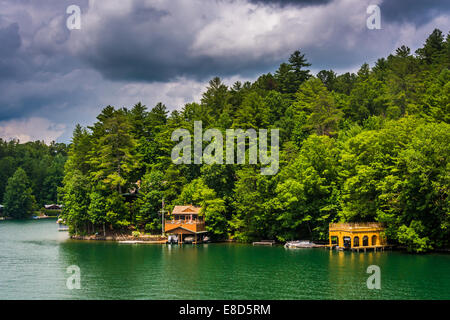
370, 146
39, 168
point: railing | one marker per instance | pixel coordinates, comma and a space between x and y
184, 222
191, 225
355, 225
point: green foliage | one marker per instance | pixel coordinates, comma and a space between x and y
370, 146
315, 101
135, 234
149, 201
43, 164
18, 200
291, 75
409, 236
308, 193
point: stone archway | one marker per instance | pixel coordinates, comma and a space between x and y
356, 241
365, 241
374, 240
335, 240
347, 242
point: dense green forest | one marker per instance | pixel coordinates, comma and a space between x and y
370, 146
30, 175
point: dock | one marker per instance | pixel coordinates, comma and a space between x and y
374, 248
142, 241
359, 249
264, 243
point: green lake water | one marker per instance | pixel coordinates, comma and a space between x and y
34, 258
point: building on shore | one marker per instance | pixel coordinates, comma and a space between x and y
186, 222
357, 236
53, 206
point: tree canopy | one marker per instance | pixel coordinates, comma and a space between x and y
365, 146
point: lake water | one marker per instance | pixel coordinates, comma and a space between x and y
34, 258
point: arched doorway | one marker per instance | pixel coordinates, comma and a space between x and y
335, 240
356, 241
347, 242
365, 241
374, 240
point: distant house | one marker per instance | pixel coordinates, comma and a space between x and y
53, 207
133, 192
186, 221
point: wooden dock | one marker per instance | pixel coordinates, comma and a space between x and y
264, 243
365, 248
359, 249
142, 241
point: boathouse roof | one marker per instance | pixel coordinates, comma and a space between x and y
189, 209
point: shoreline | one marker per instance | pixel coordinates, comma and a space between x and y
153, 239
146, 239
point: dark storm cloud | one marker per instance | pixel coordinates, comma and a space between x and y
10, 41
148, 44
292, 2
153, 51
159, 44
418, 12
414, 11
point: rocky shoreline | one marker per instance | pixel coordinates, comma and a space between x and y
122, 237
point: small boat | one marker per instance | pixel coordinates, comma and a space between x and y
188, 240
298, 244
206, 239
172, 239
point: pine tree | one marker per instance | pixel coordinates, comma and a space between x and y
291, 75
19, 201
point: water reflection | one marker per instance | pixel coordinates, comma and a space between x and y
34, 258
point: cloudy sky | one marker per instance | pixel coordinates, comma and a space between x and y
166, 50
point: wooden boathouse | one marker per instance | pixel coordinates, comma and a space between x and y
357, 236
186, 221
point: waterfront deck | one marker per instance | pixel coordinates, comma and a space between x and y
264, 243
358, 249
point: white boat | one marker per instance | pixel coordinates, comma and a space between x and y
188, 240
301, 244
172, 239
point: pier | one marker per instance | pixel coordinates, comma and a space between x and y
264, 243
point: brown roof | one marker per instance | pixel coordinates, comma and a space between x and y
190, 209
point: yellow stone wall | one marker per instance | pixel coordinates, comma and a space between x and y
354, 230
